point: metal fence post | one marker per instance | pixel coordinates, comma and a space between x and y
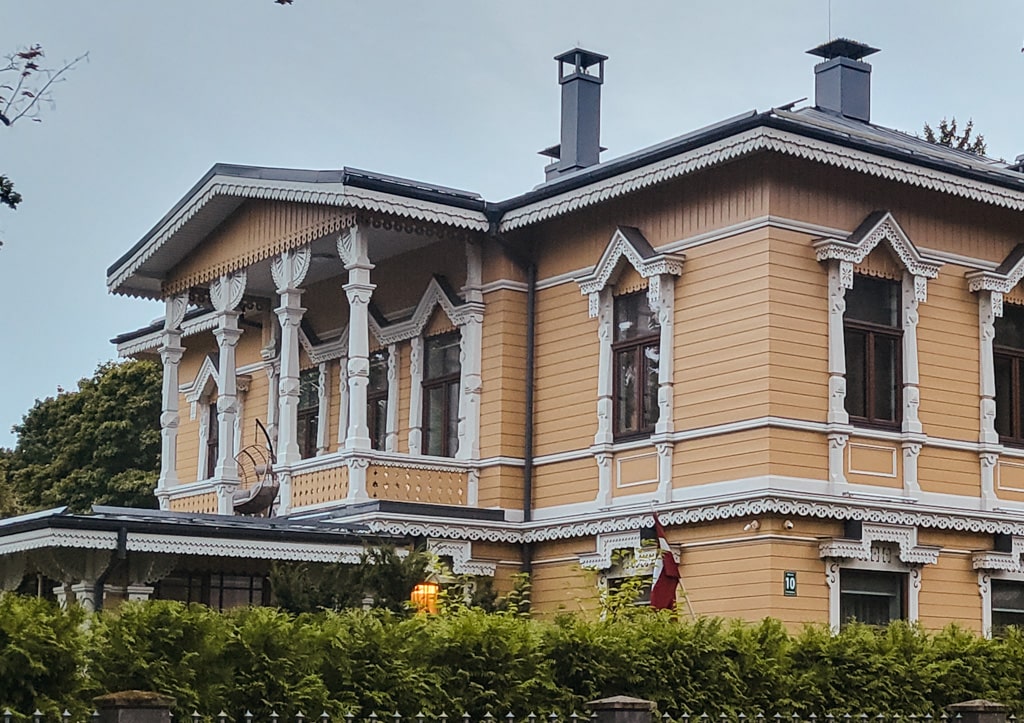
623, 709
134, 706
979, 711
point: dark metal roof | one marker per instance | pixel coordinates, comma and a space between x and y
433, 511
155, 326
843, 48
112, 519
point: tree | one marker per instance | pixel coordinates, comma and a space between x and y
25, 96
97, 445
947, 136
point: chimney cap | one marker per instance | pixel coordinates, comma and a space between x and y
843, 48
585, 58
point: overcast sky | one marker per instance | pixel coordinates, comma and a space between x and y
460, 93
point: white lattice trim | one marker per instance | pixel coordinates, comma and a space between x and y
885, 228
904, 536
628, 244
206, 379
1003, 561
606, 545
39, 539
1001, 283
254, 549
461, 552
753, 141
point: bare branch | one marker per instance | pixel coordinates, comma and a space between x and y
25, 96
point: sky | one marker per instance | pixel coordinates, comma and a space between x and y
461, 93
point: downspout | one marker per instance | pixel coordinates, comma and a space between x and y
530, 267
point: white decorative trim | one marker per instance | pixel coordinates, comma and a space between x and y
226, 291
323, 410
415, 395
433, 297
884, 228
40, 539
391, 423
850, 446
325, 194
754, 141
504, 285
993, 561
289, 268
624, 245
626, 458
606, 545
203, 384
461, 552
252, 549
905, 536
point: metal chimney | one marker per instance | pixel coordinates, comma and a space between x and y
580, 145
842, 84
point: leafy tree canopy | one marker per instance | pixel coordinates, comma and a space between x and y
97, 445
947, 136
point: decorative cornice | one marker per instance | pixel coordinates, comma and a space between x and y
39, 539
1001, 561
152, 340
629, 243
605, 546
1001, 280
461, 552
904, 536
877, 227
260, 550
458, 311
754, 141
335, 194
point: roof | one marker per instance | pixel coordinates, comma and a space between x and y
140, 530
807, 132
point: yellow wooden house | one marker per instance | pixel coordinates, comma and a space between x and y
795, 335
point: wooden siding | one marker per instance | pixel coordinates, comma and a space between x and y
798, 329
949, 593
255, 232
326, 305
800, 454
566, 373
716, 198
564, 483
722, 339
723, 457
404, 352
949, 471
836, 198
503, 375
188, 442
501, 486
947, 345
401, 280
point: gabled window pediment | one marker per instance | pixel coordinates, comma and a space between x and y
628, 245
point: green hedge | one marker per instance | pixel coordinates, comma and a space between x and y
467, 660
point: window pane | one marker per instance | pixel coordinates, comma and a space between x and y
377, 419
442, 356
452, 421
309, 391
650, 400
306, 423
1004, 395
378, 372
885, 377
633, 317
433, 414
875, 598
627, 415
873, 300
1007, 604
856, 373
1010, 327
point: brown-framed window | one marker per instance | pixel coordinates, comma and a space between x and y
308, 417
1008, 359
377, 399
872, 597
212, 440
635, 354
221, 591
874, 352
441, 372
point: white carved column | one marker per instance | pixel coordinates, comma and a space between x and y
832, 569
416, 395
665, 450
323, 409
911, 451
391, 425
990, 307
471, 352
242, 385
204, 437
354, 251
661, 297
289, 270
342, 401
914, 291
840, 278
985, 592
268, 353
913, 593
601, 306
226, 294
988, 460
170, 354
604, 479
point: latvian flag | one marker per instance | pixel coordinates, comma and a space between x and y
666, 572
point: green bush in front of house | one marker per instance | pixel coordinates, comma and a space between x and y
469, 660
